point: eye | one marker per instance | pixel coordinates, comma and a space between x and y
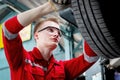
50, 29
60, 34
53, 29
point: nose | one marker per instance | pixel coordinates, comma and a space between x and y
57, 34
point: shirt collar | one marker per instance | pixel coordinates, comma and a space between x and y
36, 54
38, 57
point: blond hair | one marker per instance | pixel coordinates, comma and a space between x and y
41, 21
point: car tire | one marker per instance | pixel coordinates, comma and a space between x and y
95, 27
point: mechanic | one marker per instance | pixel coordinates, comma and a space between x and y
39, 63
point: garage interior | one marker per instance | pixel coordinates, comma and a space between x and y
69, 47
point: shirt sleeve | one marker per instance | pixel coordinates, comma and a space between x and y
77, 66
12, 42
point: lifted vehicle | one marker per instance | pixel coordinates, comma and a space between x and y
98, 24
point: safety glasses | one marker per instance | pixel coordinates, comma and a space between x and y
51, 29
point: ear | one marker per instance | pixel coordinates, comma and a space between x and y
36, 36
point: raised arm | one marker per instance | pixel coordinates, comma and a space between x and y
12, 42
77, 66
29, 16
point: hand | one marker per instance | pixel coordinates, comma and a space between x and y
59, 4
62, 2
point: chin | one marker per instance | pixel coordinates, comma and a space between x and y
53, 46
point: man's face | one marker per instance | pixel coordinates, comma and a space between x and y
48, 34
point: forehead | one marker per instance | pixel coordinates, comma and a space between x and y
49, 23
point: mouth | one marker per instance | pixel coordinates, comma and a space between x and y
55, 40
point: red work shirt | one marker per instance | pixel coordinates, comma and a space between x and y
30, 65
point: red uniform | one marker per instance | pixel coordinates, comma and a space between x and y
30, 65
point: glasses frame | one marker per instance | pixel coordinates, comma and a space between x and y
51, 27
